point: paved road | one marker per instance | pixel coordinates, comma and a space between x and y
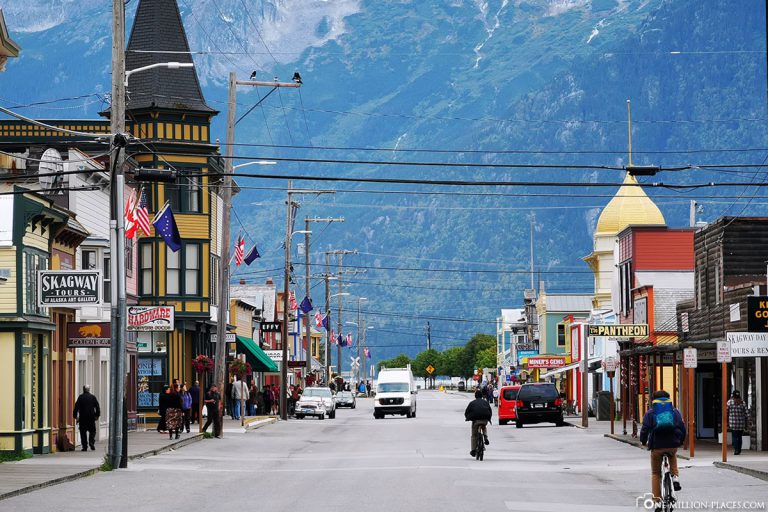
355, 462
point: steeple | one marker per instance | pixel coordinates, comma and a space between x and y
157, 27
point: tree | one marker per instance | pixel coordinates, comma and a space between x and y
486, 358
400, 361
448, 363
424, 359
468, 358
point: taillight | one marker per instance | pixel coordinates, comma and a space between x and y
558, 402
518, 403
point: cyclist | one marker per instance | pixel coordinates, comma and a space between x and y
664, 432
479, 413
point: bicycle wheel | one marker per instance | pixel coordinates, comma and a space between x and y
666, 493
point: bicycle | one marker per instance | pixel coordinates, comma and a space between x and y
479, 445
668, 498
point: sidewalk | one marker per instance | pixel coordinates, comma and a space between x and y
750, 462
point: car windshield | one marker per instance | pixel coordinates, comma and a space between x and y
344, 394
393, 387
538, 392
319, 392
510, 393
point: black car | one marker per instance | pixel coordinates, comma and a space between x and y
462, 386
538, 403
345, 399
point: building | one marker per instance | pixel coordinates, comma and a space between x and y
8, 47
512, 346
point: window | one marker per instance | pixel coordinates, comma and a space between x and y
145, 267
107, 279
184, 196
172, 272
214, 277
151, 376
129, 257
33, 263
192, 269
89, 260
560, 335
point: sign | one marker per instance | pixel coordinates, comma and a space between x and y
230, 337
640, 311
723, 351
610, 364
296, 364
748, 344
757, 314
68, 288
735, 312
275, 355
150, 318
271, 326
547, 362
523, 355
619, 330
89, 334
430, 369
689, 358
509, 378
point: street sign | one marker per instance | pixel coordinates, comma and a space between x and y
150, 318
430, 369
355, 362
69, 288
619, 330
748, 344
757, 314
689, 358
230, 338
610, 364
723, 351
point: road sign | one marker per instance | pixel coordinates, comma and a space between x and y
689, 358
355, 362
619, 330
430, 369
757, 314
610, 364
723, 351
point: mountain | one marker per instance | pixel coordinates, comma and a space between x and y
481, 81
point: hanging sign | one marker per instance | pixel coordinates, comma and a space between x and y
547, 362
757, 314
68, 288
89, 334
723, 351
275, 355
619, 330
150, 318
271, 326
689, 358
748, 344
610, 364
230, 337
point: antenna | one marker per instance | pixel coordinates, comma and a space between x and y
51, 163
629, 129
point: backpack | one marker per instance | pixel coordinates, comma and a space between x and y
663, 415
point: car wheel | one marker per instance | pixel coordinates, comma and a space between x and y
503, 422
299, 416
332, 415
322, 416
518, 424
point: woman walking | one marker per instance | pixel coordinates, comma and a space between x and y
174, 414
186, 406
162, 408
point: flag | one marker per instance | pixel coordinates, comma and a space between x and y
327, 322
292, 301
340, 341
239, 250
130, 218
252, 255
349, 340
318, 320
306, 305
367, 353
333, 337
141, 214
166, 227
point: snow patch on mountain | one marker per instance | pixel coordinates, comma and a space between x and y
558, 7
490, 28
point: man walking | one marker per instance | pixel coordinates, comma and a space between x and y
212, 400
239, 393
86, 413
737, 420
194, 392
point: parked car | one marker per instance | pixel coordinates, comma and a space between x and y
507, 403
346, 399
395, 393
318, 402
538, 403
462, 386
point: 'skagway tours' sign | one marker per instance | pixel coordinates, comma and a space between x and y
69, 288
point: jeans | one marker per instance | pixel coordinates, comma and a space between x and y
656, 456
236, 409
478, 426
736, 436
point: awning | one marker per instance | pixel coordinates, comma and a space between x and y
260, 361
568, 367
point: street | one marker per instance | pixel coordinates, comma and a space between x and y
356, 462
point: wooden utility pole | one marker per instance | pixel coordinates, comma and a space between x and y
584, 381
724, 407
327, 278
286, 314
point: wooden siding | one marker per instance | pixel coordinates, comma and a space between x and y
36, 239
192, 225
214, 224
663, 250
8, 382
91, 209
8, 288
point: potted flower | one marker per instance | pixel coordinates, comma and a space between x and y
202, 364
239, 368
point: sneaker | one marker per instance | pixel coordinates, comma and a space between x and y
472, 453
676, 483
487, 442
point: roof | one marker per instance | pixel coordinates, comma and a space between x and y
568, 303
158, 26
8, 47
630, 206
665, 302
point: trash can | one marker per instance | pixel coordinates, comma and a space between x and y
603, 406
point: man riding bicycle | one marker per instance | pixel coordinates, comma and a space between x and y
664, 432
479, 413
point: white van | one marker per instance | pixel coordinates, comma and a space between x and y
395, 393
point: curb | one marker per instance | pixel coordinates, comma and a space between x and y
261, 423
755, 473
96, 470
637, 444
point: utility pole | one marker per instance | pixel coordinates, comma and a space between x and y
341, 308
116, 455
533, 224
340, 253
429, 336
327, 312
286, 313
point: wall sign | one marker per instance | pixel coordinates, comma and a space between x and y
748, 344
89, 334
757, 314
69, 288
230, 337
150, 318
619, 330
547, 362
689, 358
271, 326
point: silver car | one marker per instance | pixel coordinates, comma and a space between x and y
346, 399
316, 402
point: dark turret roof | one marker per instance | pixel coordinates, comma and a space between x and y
158, 27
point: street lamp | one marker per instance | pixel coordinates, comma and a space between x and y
359, 300
255, 162
169, 65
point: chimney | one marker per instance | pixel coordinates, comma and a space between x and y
269, 281
242, 281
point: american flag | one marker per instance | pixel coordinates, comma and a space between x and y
292, 301
318, 319
141, 214
239, 251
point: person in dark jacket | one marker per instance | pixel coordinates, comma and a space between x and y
86, 413
212, 400
664, 432
737, 419
479, 413
162, 407
174, 414
186, 406
194, 392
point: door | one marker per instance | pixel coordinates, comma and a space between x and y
706, 400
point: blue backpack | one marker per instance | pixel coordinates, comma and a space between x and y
663, 414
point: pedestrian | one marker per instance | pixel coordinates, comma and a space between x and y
228, 401
276, 399
162, 408
664, 432
239, 393
293, 397
368, 388
267, 397
212, 400
186, 406
86, 413
174, 415
249, 404
496, 397
194, 392
258, 400
489, 393
737, 420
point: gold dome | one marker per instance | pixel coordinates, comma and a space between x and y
630, 206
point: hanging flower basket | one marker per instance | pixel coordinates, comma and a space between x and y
239, 368
202, 364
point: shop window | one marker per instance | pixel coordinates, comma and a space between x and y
151, 378
186, 263
192, 269
172, 272
32, 264
107, 278
214, 280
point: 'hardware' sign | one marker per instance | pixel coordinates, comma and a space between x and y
150, 318
757, 314
89, 334
619, 330
68, 288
